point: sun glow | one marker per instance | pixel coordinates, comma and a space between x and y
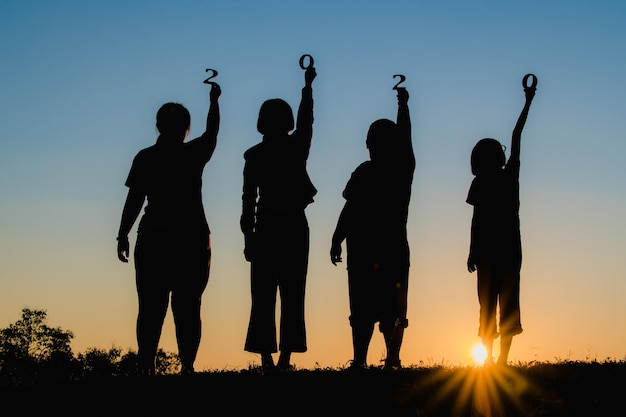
479, 353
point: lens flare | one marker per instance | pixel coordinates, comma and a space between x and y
479, 353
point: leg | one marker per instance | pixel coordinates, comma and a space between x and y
284, 360
292, 288
261, 336
505, 347
395, 309
510, 322
488, 300
361, 337
187, 300
186, 312
363, 312
267, 362
150, 319
488, 344
393, 335
153, 298
292, 321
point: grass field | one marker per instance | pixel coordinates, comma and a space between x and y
587, 389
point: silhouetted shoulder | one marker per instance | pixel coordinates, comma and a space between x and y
253, 152
360, 181
363, 167
146, 152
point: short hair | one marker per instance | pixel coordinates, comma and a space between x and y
382, 135
173, 119
275, 116
487, 155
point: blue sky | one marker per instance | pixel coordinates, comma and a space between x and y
81, 82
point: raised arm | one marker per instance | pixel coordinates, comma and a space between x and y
529, 92
209, 137
304, 120
405, 145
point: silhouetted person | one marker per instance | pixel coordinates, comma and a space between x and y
373, 224
495, 244
276, 191
173, 249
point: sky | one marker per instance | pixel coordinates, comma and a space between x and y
81, 82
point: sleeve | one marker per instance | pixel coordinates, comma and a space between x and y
357, 186
472, 194
136, 176
249, 198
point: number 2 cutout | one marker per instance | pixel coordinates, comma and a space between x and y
402, 79
213, 75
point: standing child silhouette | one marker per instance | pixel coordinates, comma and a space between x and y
276, 191
173, 249
495, 244
373, 224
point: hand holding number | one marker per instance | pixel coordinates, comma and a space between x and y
216, 91
529, 90
403, 95
303, 58
309, 69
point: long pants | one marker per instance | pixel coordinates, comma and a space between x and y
279, 266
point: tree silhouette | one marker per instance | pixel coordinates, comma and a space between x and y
31, 350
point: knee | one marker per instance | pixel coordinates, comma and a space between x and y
389, 325
361, 321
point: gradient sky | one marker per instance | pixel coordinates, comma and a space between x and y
81, 81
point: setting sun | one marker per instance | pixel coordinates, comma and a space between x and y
479, 353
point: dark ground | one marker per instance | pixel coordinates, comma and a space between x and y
546, 390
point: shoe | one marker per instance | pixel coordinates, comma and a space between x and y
392, 364
502, 363
285, 367
357, 365
267, 363
187, 370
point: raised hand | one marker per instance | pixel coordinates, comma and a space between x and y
529, 90
216, 91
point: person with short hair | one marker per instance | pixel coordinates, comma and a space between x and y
495, 241
373, 223
276, 191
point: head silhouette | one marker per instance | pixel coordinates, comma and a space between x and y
487, 156
173, 121
275, 117
381, 139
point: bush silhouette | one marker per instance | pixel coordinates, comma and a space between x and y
31, 351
